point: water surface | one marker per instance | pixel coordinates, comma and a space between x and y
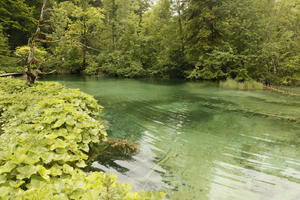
198, 141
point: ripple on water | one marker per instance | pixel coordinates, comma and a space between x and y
198, 152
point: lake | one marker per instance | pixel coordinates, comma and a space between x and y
198, 141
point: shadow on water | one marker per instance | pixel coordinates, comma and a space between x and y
121, 115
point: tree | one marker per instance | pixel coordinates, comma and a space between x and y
202, 32
4, 51
207, 39
179, 8
79, 29
122, 41
280, 54
224, 39
18, 21
32, 59
163, 49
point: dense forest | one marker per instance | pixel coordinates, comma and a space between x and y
174, 138
191, 39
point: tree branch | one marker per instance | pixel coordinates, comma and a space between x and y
88, 47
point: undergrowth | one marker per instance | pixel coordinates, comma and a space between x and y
47, 131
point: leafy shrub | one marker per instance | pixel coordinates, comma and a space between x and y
219, 65
120, 64
23, 52
67, 58
47, 133
10, 65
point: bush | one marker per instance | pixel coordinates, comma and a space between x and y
23, 52
47, 133
219, 65
9, 65
119, 64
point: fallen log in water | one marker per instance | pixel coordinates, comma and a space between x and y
281, 91
11, 74
251, 112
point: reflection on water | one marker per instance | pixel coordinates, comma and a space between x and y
194, 151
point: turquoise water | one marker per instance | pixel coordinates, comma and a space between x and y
192, 146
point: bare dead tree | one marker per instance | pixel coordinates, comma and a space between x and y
31, 60
41, 37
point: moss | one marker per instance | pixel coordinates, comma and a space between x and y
112, 149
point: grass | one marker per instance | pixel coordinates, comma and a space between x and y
246, 85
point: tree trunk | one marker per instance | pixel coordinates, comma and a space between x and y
113, 25
179, 9
84, 46
31, 77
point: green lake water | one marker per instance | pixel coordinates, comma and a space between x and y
192, 146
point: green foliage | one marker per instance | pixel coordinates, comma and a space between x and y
9, 66
205, 40
163, 50
7, 63
23, 52
17, 19
4, 51
47, 133
126, 40
220, 65
79, 26
280, 51
120, 64
202, 27
243, 39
